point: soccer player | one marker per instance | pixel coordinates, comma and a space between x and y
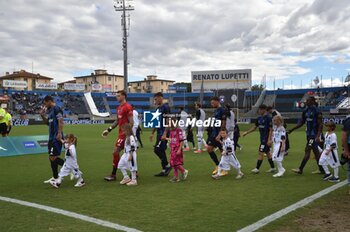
176, 153
136, 122
128, 160
138, 135
183, 117
230, 121
124, 116
52, 116
312, 116
70, 166
264, 123
200, 116
279, 144
228, 157
329, 155
162, 133
214, 136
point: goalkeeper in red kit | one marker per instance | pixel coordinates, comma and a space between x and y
124, 116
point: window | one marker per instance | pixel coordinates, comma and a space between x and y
161, 82
109, 78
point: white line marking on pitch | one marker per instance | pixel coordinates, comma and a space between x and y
70, 214
257, 225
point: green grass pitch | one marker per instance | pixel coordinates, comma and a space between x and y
198, 204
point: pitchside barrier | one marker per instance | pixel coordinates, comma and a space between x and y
23, 145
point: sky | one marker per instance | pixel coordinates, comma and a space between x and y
289, 41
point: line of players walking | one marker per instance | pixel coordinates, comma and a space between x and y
223, 137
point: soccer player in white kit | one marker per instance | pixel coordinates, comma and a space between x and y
228, 157
136, 121
329, 155
230, 121
128, 161
183, 117
200, 116
70, 166
279, 144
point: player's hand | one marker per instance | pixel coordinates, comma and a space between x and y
163, 137
218, 138
130, 157
59, 137
104, 133
269, 143
178, 152
151, 138
42, 111
318, 140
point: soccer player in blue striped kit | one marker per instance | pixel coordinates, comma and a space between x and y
52, 116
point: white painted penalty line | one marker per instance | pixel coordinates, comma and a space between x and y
263, 222
70, 214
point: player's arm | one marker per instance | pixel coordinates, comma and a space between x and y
109, 129
344, 141
320, 127
269, 141
60, 129
178, 152
152, 134
283, 139
253, 128
131, 119
43, 117
300, 124
133, 147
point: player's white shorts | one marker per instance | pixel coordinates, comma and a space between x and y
184, 132
228, 161
277, 154
200, 132
331, 159
68, 168
124, 162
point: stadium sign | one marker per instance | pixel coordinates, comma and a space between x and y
20, 122
23, 145
96, 87
221, 79
14, 84
83, 122
73, 86
46, 85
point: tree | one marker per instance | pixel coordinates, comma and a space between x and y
257, 87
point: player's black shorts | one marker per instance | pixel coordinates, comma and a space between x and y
214, 143
3, 128
264, 148
311, 143
54, 147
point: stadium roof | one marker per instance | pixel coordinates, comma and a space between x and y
24, 74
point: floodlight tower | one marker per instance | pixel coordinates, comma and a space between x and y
124, 6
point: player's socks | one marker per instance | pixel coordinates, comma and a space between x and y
125, 174
336, 172
54, 167
114, 171
303, 163
133, 175
214, 158
325, 168
272, 165
258, 164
